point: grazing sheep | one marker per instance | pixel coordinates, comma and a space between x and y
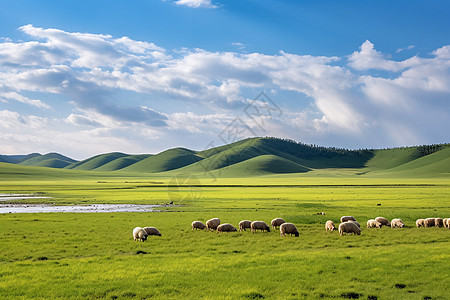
446, 222
277, 222
383, 221
139, 234
329, 225
397, 223
429, 222
152, 231
357, 223
198, 225
373, 224
438, 222
244, 224
225, 228
259, 225
212, 223
347, 218
420, 223
288, 228
349, 227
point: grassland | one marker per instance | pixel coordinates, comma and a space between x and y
94, 256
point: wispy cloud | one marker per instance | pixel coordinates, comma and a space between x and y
20, 98
405, 49
196, 3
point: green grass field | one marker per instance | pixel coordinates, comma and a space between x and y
64, 255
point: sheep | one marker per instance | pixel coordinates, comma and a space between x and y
288, 228
212, 223
438, 222
139, 234
329, 225
357, 223
277, 222
447, 223
225, 228
428, 222
397, 223
420, 223
259, 225
372, 223
347, 218
152, 231
244, 224
198, 225
349, 227
383, 221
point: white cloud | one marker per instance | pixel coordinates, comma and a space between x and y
114, 85
196, 3
20, 98
405, 49
369, 58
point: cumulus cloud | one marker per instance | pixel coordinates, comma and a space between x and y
115, 84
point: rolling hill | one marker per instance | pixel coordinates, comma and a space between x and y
259, 156
52, 160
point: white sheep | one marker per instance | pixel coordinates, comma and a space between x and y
212, 223
357, 223
397, 223
347, 218
438, 222
288, 228
277, 222
329, 225
349, 227
139, 234
198, 225
383, 221
447, 223
244, 224
259, 225
372, 223
429, 222
226, 228
152, 231
420, 223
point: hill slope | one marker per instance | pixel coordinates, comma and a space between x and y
53, 160
96, 161
165, 161
122, 162
258, 156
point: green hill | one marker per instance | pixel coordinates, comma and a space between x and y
165, 161
52, 163
15, 159
434, 164
258, 156
96, 161
55, 160
122, 162
262, 165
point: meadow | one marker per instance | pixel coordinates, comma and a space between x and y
93, 255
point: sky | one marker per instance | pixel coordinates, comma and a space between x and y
141, 76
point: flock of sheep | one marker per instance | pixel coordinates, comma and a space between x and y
348, 225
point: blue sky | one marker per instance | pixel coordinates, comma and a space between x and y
88, 77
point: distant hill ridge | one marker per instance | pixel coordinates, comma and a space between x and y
253, 156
